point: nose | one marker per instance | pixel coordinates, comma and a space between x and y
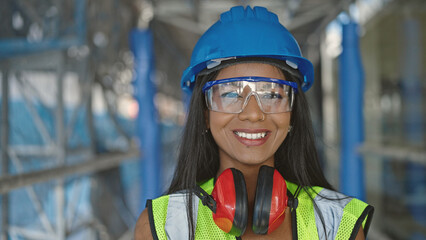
252, 111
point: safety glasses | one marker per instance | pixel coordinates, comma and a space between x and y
231, 95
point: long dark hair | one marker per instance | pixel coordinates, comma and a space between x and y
296, 159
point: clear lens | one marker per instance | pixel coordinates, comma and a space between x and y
232, 97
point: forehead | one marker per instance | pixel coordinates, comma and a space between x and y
251, 69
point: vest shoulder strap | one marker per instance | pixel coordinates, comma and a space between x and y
208, 185
305, 214
158, 208
356, 214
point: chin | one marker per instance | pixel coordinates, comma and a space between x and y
253, 161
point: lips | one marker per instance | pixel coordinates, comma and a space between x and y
252, 137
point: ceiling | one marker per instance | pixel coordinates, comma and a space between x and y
177, 25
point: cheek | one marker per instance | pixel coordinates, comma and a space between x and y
218, 122
282, 121
219, 131
282, 124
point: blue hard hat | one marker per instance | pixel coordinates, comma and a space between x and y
249, 32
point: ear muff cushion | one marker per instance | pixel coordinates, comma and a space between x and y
270, 201
230, 195
262, 201
279, 202
241, 203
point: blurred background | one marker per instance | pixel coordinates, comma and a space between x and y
92, 111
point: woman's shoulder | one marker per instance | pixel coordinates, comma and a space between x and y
143, 228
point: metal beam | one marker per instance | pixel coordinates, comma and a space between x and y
183, 23
97, 164
332, 14
398, 153
33, 196
310, 16
30, 233
4, 129
33, 150
61, 143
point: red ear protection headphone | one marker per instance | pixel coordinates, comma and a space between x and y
230, 204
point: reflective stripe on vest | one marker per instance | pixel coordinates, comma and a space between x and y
174, 215
328, 212
341, 215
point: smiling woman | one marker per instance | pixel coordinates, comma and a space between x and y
250, 137
248, 166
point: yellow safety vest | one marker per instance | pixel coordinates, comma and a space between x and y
342, 215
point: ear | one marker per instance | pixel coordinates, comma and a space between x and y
207, 118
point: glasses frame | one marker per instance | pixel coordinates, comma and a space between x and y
249, 79
210, 84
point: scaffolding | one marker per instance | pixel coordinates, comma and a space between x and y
52, 59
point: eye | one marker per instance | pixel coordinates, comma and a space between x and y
230, 95
272, 95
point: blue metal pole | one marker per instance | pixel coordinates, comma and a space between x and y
413, 119
351, 82
147, 121
80, 20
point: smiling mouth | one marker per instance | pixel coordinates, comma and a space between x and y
251, 136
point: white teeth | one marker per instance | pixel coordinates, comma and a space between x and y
251, 135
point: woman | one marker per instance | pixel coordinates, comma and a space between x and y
248, 116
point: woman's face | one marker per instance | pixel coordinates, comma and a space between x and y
234, 132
